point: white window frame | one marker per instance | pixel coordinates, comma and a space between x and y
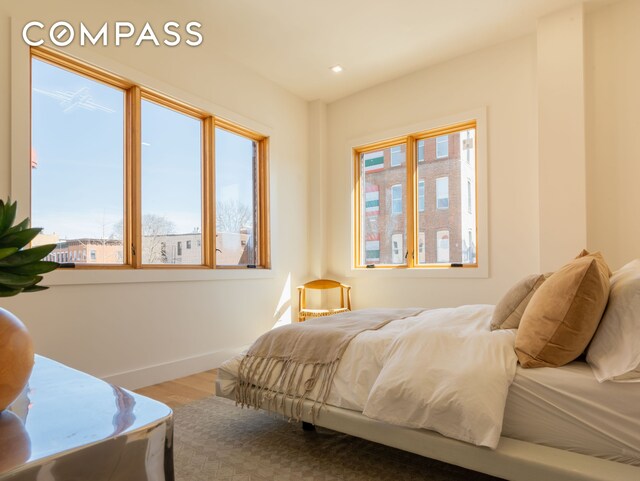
421, 197
420, 147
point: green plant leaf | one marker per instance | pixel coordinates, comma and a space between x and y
18, 227
33, 269
35, 289
8, 217
27, 256
19, 239
17, 281
4, 292
7, 251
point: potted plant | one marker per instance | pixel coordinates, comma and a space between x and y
21, 270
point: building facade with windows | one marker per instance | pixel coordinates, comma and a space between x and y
87, 251
446, 205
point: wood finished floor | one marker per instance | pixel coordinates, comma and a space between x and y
182, 391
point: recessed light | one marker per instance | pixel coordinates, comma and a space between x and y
336, 69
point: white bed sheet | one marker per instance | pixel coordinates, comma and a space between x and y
563, 407
568, 408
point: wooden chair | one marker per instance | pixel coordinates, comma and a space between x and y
345, 293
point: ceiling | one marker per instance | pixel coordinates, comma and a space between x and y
295, 42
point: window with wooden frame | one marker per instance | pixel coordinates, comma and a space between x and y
123, 176
430, 202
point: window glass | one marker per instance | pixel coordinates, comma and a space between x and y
420, 156
442, 146
77, 163
396, 199
382, 207
421, 196
398, 156
442, 243
171, 184
397, 251
442, 192
236, 192
421, 248
449, 201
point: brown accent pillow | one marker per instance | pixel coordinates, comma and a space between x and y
509, 310
564, 313
585, 252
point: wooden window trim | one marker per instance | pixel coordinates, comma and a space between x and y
132, 214
412, 211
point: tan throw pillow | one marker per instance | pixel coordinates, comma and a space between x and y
585, 252
509, 310
564, 313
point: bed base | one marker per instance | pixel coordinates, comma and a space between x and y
513, 459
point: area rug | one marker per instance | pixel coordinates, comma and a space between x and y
215, 440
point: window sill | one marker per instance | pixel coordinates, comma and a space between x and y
71, 277
480, 272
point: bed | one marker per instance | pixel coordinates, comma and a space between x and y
559, 423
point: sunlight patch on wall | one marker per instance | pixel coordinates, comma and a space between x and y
282, 314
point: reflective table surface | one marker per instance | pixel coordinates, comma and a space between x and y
68, 425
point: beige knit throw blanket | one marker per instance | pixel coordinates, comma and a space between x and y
298, 361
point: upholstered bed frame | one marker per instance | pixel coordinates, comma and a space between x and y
514, 460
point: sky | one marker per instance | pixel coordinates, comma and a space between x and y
78, 140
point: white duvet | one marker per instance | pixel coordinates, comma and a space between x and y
442, 370
448, 373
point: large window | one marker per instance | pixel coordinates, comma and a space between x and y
124, 176
422, 215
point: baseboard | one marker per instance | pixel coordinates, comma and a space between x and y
146, 376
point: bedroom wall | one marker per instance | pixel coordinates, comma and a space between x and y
135, 332
561, 136
613, 123
502, 79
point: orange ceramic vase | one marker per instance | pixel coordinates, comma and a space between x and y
16, 357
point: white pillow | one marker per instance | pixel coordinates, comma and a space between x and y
614, 352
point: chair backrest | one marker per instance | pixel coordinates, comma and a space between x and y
322, 284
325, 284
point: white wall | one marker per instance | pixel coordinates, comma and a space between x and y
561, 137
142, 332
502, 79
563, 165
613, 155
